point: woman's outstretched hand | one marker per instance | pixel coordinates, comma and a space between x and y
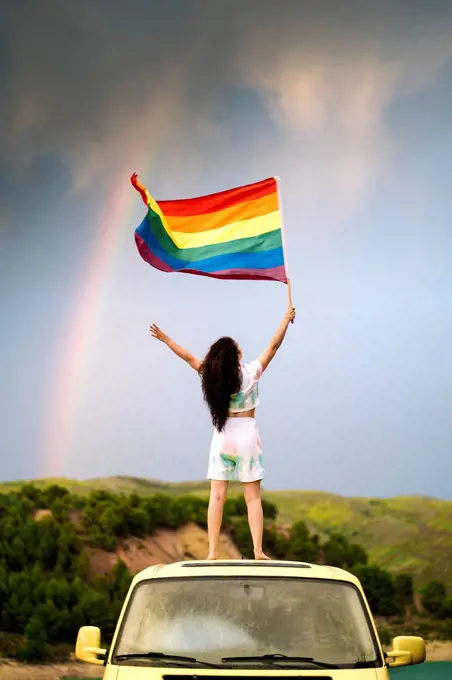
174, 347
157, 333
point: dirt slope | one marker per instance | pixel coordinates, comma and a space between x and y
164, 547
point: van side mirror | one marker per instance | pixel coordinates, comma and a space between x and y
87, 647
406, 650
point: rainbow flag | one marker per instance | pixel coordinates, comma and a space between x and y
234, 234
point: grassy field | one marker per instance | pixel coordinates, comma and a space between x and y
407, 533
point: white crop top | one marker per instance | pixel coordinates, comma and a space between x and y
248, 397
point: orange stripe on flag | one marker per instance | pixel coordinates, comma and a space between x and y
222, 218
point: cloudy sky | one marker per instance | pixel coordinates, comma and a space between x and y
350, 103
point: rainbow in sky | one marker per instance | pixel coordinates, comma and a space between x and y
74, 356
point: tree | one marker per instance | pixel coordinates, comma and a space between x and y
52, 619
47, 548
275, 543
434, 597
121, 579
32, 494
158, 510
94, 609
235, 507
198, 510
177, 514
302, 546
269, 509
242, 537
19, 602
17, 554
403, 586
339, 552
379, 589
53, 492
446, 612
34, 647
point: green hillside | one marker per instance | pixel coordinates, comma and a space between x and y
121, 484
404, 534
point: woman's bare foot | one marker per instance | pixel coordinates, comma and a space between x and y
261, 556
212, 555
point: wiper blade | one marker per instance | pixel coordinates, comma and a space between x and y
366, 664
281, 657
161, 656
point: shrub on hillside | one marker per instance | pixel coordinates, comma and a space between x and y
379, 589
269, 509
241, 536
435, 601
403, 587
339, 552
301, 545
275, 543
236, 507
34, 647
385, 636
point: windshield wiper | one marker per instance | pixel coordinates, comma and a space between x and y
161, 656
275, 658
366, 664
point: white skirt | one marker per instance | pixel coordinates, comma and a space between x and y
236, 453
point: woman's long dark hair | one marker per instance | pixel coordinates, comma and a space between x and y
221, 377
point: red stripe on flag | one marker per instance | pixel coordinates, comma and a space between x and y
219, 201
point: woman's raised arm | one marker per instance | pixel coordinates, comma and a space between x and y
174, 347
277, 339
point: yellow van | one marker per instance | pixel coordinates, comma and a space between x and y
246, 619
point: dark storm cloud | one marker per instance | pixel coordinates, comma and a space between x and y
89, 81
96, 83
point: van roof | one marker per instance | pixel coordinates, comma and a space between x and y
270, 568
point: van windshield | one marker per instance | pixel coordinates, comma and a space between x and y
210, 618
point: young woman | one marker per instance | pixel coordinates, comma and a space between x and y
230, 389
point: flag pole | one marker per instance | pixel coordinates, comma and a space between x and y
283, 238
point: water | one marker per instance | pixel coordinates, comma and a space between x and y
434, 670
